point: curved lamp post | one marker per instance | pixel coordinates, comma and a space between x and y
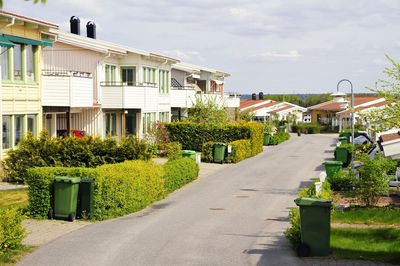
352, 107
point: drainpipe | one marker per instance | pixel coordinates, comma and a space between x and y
9, 24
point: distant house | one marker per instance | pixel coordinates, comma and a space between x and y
336, 113
262, 109
390, 143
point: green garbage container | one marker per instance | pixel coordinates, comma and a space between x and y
267, 136
66, 197
342, 155
343, 140
347, 135
314, 227
282, 129
332, 167
189, 154
85, 199
219, 152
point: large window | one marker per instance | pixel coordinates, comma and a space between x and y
4, 63
111, 124
17, 61
111, 74
149, 75
148, 121
30, 62
128, 75
163, 81
7, 131
18, 128
32, 124
163, 117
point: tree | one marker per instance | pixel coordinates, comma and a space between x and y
389, 116
34, 1
207, 111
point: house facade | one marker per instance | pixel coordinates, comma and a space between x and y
22, 41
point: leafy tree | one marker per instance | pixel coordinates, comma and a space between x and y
208, 111
389, 116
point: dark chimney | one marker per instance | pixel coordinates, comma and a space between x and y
75, 24
261, 96
91, 30
254, 96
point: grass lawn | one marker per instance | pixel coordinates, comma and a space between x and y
381, 215
16, 256
378, 244
13, 198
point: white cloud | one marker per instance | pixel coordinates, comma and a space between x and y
186, 56
278, 56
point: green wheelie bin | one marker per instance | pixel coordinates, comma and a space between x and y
314, 227
219, 152
267, 136
332, 167
189, 154
343, 140
342, 155
66, 190
347, 135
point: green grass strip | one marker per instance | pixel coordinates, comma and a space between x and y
382, 215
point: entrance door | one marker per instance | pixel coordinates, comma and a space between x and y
131, 123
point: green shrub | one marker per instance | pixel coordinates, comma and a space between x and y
70, 152
207, 155
179, 172
293, 233
11, 231
344, 180
278, 138
241, 149
309, 128
310, 192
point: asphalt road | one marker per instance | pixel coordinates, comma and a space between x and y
233, 217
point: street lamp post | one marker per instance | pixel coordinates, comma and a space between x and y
352, 107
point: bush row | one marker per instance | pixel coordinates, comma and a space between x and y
11, 232
70, 152
309, 128
193, 136
278, 138
119, 189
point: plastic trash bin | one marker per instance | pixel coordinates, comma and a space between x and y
314, 227
342, 155
65, 197
219, 152
282, 129
267, 136
85, 199
189, 154
347, 135
343, 140
332, 167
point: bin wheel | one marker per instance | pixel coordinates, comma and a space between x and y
50, 214
303, 250
71, 217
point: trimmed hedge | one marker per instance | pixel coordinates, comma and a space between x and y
70, 152
207, 154
193, 136
119, 189
309, 128
179, 172
11, 232
241, 149
278, 138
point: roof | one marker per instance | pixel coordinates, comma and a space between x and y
390, 137
28, 19
264, 106
285, 107
249, 102
194, 68
363, 108
337, 105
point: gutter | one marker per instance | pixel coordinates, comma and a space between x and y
9, 24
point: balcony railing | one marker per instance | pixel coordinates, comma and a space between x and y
127, 83
66, 73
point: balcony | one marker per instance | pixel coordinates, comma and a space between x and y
182, 97
122, 95
67, 88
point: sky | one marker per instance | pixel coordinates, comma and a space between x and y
274, 46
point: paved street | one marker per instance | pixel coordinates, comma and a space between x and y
232, 217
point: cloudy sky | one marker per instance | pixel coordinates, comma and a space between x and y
274, 46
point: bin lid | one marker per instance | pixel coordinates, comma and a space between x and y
188, 152
70, 179
313, 202
333, 163
343, 138
219, 144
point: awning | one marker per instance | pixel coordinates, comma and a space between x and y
5, 42
16, 39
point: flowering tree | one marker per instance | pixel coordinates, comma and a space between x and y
389, 116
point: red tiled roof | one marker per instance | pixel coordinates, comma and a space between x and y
249, 102
264, 106
389, 137
336, 106
380, 104
282, 109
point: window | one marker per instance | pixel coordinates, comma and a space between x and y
110, 74
17, 61
163, 117
111, 124
148, 122
32, 124
7, 131
18, 128
30, 62
4, 63
128, 75
149, 75
163, 81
